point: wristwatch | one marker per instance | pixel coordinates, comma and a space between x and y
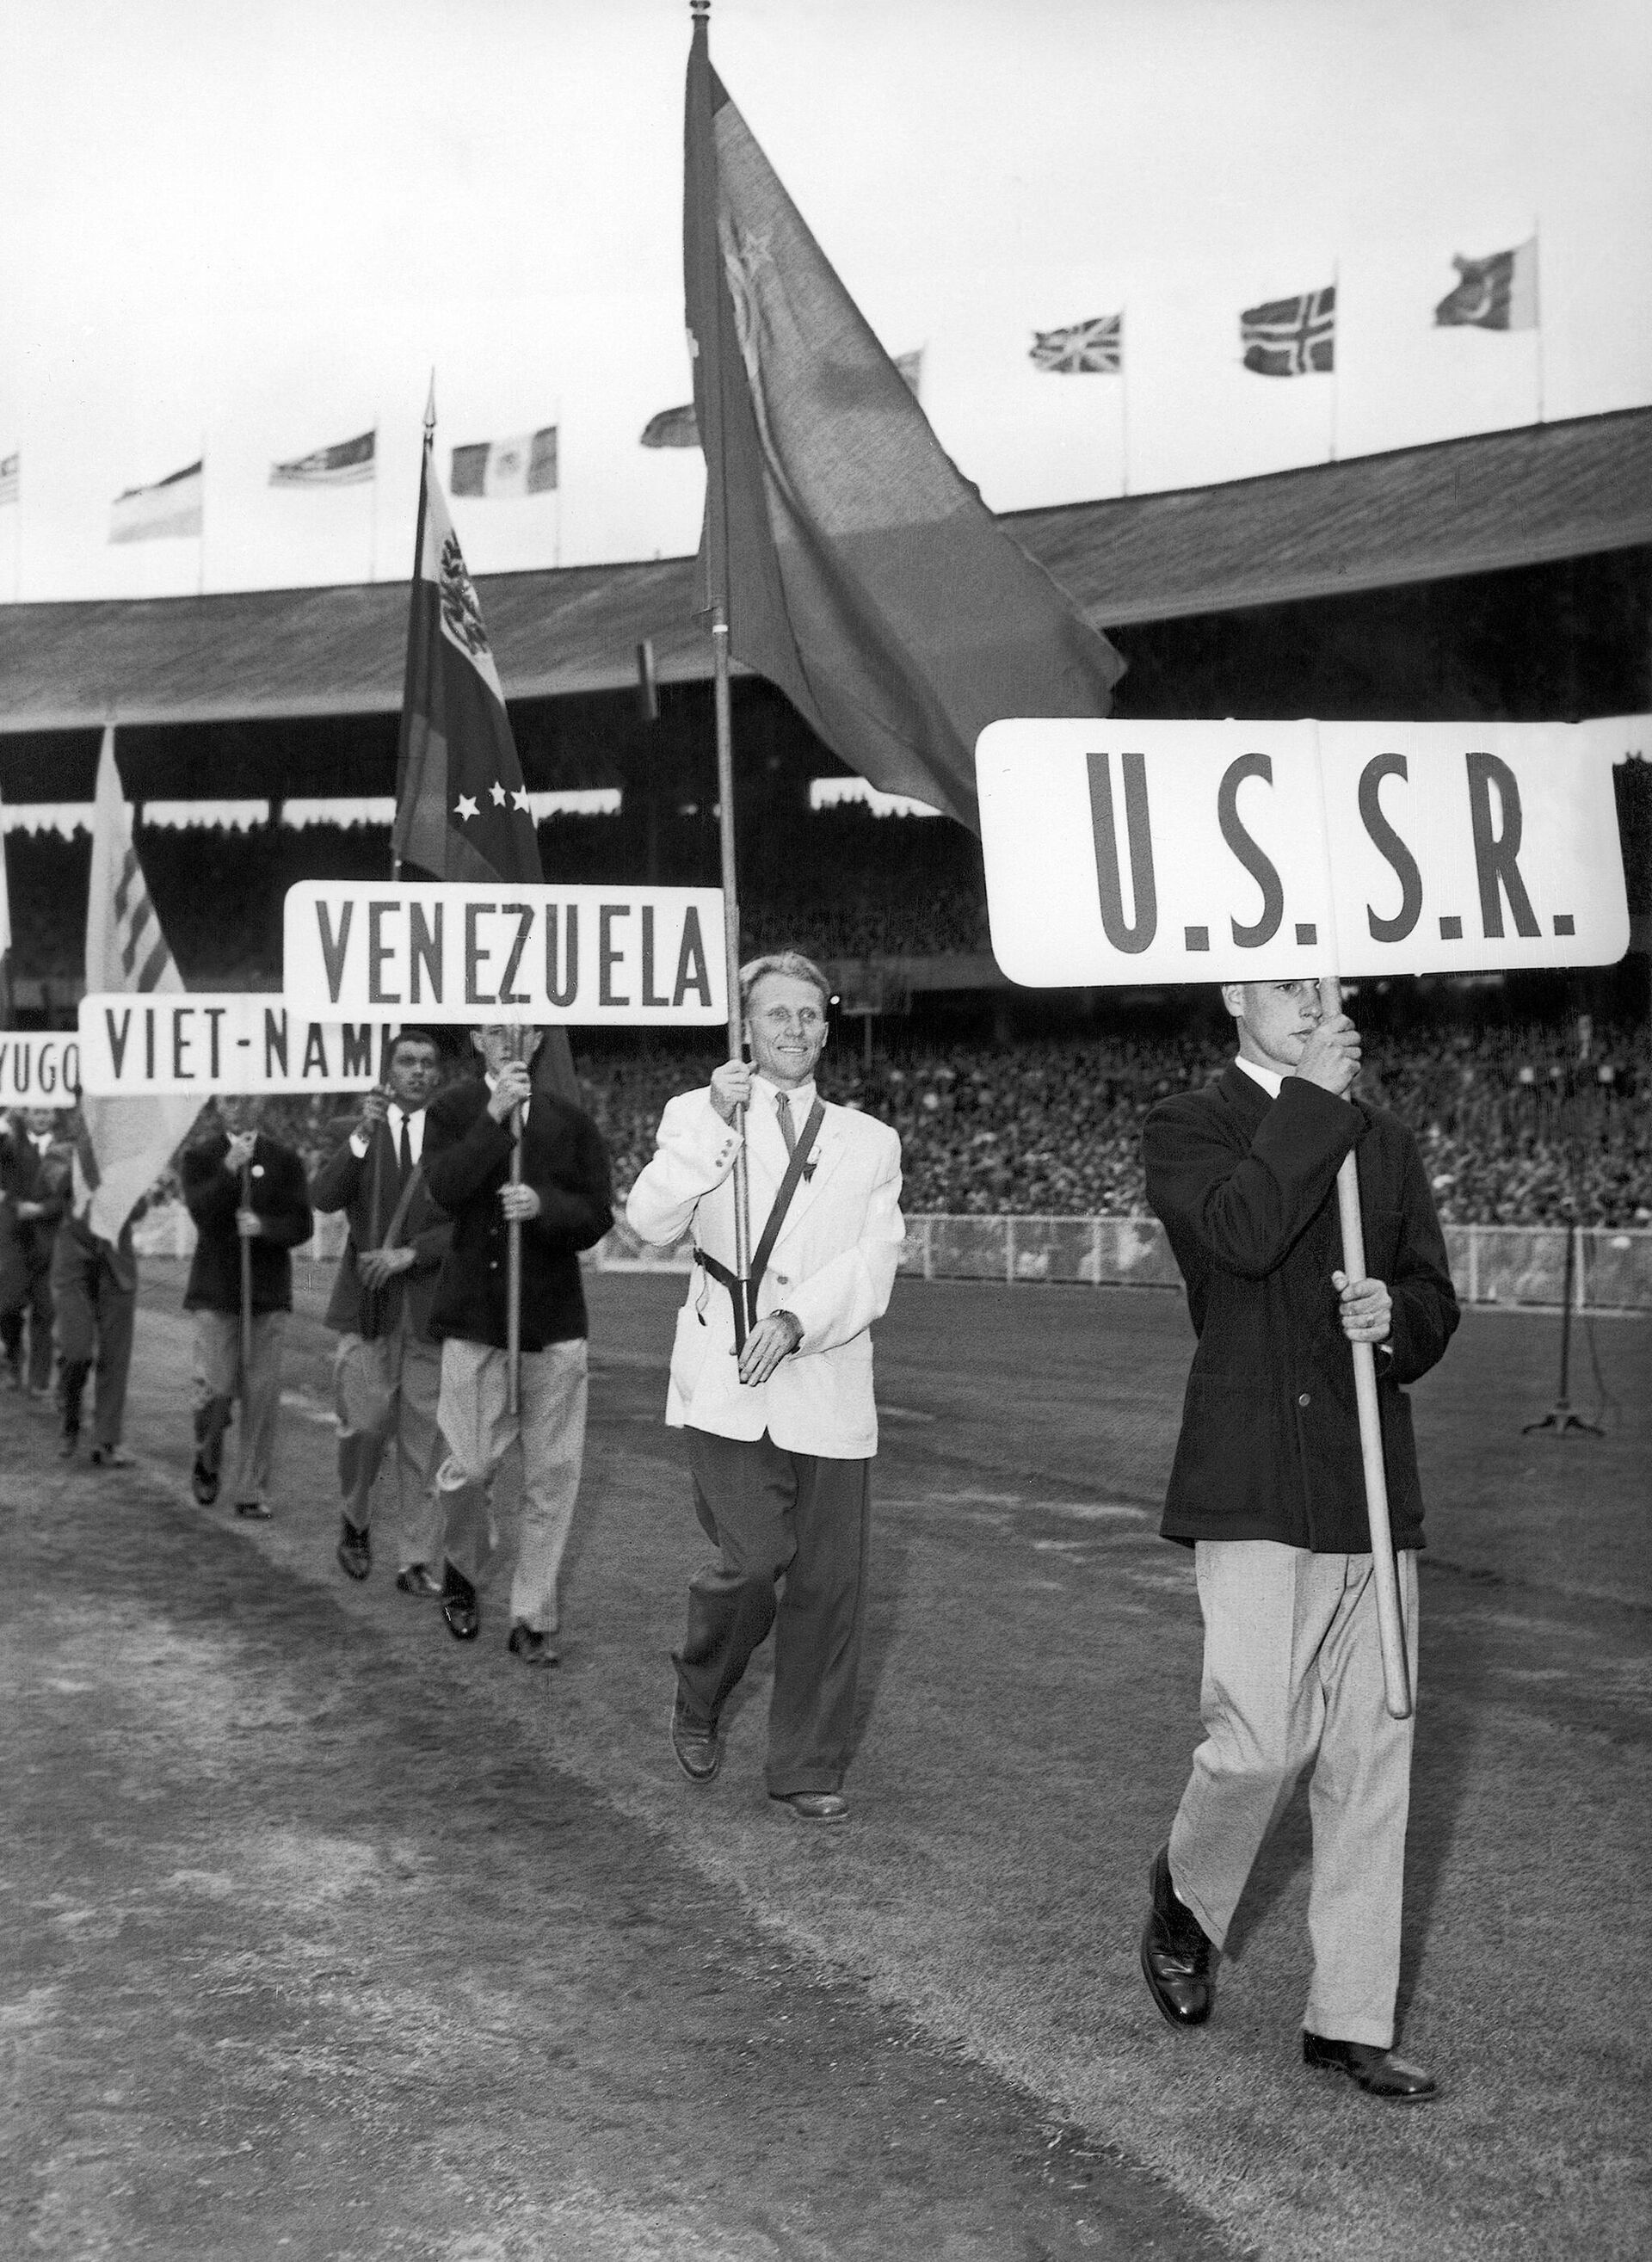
797, 1327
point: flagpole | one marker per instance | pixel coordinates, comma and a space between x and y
701, 232
200, 545
413, 604
1124, 425
513, 1259
1537, 308
1335, 358
372, 522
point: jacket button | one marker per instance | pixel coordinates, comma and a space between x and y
1303, 1399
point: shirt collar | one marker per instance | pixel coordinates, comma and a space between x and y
1269, 1079
801, 1095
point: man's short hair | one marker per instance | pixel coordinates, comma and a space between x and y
413, 1037
793, 964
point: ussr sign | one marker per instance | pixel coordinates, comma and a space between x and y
1126, 853
39, 1072
447, 951
200, 1041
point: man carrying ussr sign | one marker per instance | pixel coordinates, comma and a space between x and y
1267, 1488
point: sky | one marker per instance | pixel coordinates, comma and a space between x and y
251, 232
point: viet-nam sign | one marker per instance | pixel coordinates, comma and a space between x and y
39, 1072
1125, 852
196, 1041
446, 951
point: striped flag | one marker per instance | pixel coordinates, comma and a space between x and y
1498, 294
171, 507
1291, 337
131, 1141
1095, 348
490, 469
348, 464
679, 427
9, 479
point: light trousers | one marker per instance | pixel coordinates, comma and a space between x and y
388, 1386
219, 1380
1293, 1673
478, 1431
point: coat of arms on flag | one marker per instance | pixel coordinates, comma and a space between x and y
1083, 349
1291, 337
492, 468
346, 464
1498, 294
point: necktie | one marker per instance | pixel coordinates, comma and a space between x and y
405, 1155
783, 1108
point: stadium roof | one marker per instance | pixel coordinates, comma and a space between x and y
1480, 505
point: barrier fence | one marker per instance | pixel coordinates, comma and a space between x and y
1490, 1264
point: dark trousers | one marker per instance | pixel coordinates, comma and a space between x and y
800, 1523
28, 1295
95, 1315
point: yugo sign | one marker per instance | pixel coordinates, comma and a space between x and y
37, 1071
1210, 851
443, 951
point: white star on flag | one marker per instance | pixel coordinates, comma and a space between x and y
520, 800
499, 794
465, 805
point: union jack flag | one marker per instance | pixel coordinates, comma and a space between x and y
1096, 347
1291, 337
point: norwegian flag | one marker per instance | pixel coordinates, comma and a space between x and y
1095, 348
130, 1141
1291, 337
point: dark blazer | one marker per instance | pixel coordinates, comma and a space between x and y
27, 1176
345, 1182
280, 1197
1270, 1437
466, 1161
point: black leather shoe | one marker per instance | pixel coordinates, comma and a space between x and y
812, 1805
204, 1483
1377, 2071
67, 1442
253, 1511
417, 1580
532, 1647
459, 1606
1175, 1952
110, 1456
354, 1550
697, 1744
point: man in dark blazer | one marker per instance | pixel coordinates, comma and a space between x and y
564, 1204
1267, 1488
240, 1186
387, 1372
35, 1171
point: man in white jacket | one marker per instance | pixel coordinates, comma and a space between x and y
781, 1431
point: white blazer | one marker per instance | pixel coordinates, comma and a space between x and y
832, 1268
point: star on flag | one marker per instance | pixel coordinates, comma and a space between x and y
465, 805
498, 792
519, 799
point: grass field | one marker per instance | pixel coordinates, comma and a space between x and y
1029, 1708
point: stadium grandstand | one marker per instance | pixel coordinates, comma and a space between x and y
1506, 577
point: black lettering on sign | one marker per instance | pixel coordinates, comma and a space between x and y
525, 928
1494, 853
1109, 880
21, 1068
424, 950
1388, 844
562, 993
1259, 868
275, 1043
148, 1042
334, 947
180, 1042
214, 1015
608, 954
648, 996
314, 1052
118, 1044
692, 968
71, 1066
475, 956
377, 951
358, 1044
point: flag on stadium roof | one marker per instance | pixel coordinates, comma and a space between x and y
861, 574
672, 427
462, 810
9, 478
171, 507
1499, 293
523, 466
1291, 337
130, 1141
1083, 349
348, 464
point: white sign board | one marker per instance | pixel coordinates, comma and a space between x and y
1129, 852
39, 1072
199, 1041
621, 957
